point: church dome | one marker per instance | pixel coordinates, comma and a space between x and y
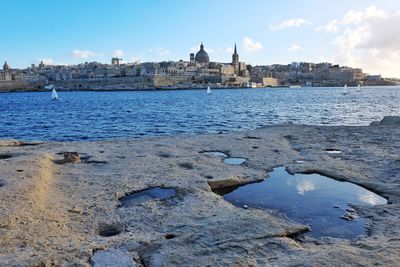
202, 56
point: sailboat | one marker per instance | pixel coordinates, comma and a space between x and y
54, 95
208, 90
358, 88
345, 91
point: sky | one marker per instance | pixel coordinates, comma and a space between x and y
356, 33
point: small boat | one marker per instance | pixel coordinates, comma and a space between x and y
345, 91
54, 95
358, 88
208, 90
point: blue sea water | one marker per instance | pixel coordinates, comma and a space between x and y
110, 115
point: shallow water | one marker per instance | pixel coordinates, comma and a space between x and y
234, 161
216, 154
146, 195
310, 199
109, 115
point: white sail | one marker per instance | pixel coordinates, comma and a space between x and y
54, 95
208, 90
358, 88
345, 91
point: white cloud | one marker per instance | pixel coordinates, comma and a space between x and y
370, 40
294, 48
47, 61
356, 17
305, 186
297, 22
332, 26
229, 50
118, 53
370, 198
250, 45
161, 51
82, 54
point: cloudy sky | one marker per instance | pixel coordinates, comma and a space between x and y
357, 33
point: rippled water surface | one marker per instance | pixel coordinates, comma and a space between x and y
108, 115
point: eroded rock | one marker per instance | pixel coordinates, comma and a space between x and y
69, 157
112, 257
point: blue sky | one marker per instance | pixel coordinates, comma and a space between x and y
359, 33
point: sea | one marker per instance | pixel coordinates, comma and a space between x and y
81, 116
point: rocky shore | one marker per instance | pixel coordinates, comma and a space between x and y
60, 203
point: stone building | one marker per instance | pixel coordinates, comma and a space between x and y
239, 67
5, 75
115, 61
226, 70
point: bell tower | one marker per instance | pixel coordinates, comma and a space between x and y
235, 61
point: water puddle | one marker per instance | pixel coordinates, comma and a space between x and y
146, 195
234, 161
216, 154
312, 199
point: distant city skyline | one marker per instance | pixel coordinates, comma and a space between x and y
359, 33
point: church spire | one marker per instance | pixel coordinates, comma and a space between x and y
235, 49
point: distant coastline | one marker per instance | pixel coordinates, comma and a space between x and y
23, 87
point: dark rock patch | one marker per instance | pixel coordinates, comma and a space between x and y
96, 162
169, 236
5, 156
29, 143
107, 230
69, 157
186, 165
164, 155
252, 137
